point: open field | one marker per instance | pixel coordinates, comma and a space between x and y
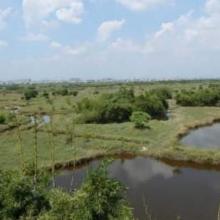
90, 140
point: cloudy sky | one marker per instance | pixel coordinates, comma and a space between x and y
90, 39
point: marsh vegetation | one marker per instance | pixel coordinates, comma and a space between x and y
50, 126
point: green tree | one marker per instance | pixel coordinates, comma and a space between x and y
99, 198
140, 119
30, 93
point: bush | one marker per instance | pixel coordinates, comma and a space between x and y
162, 92
140, 119
45, 94
199, 97
98, 198
63, 92
155, 106
19, 199
30, 93
118, 107
2, 119
74, 93
107, 108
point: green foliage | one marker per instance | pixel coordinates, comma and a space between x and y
162, 92
6, 118
62, 91
152, 104
18, 198
140, 119
45, 94
200, 97
30, 93
99, 198
74, 93
108, 108
2, 118
118, 107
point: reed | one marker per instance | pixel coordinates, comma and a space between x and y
35, 159
71, 129
51, 133
19, 144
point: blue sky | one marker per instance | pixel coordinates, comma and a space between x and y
93, 39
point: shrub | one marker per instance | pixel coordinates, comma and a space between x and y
19, 199
155, 106
74, 93
118, 107
162, 92
200, 97
45, 94
62, 91
30, 93
107, 108
2, 119
140, 119
98, 198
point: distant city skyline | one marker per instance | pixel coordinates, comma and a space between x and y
118, 39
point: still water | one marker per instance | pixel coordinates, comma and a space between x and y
204, 137
168, 191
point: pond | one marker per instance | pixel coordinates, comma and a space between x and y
45, 119
203, 137
168, 191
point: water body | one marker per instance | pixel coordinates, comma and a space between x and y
45, 119
168, 191
204, 137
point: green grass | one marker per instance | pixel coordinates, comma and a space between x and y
160, 141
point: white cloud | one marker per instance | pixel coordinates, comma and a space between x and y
165, 27
72, 14
41, 11
139, 5
67, 49
126, 45
108, 27
4, 14
188, 33
31, 37
3, 44
213, 6
55, 44
74, 50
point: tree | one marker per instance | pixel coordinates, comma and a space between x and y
99, 198
30, 93
140, 119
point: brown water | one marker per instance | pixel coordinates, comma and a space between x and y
168, 191
204, 137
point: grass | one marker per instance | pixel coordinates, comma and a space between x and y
160, 141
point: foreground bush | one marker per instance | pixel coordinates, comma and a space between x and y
19, 199
99, 198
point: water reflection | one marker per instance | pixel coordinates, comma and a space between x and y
168, 191
140, 170
204, 137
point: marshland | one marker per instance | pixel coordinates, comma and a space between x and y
122, 149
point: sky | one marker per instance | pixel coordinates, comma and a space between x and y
119, 39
